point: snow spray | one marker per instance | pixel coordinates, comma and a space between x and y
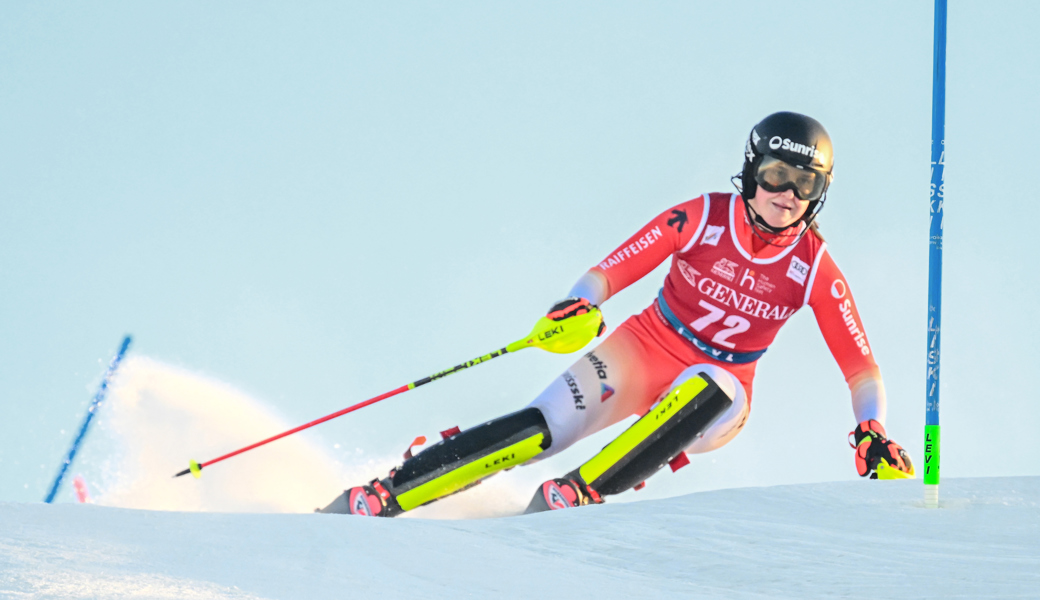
155, 410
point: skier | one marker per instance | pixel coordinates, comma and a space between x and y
741, 265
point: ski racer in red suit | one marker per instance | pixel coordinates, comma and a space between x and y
741, 266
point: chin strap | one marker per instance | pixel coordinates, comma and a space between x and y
757, 218
758, 224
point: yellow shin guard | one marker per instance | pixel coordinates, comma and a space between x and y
466, 458
657, 437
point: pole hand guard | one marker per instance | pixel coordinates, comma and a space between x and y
568, 327
877, 456
572, 307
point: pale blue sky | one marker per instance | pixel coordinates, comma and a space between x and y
318, 202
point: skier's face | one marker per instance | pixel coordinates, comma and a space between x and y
779, 209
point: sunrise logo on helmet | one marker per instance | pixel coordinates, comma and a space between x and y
778, 143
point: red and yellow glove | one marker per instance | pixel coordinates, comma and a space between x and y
570, 307
876, 454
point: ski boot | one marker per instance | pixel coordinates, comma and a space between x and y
565, 492
374, 499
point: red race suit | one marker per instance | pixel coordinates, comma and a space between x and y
731, 292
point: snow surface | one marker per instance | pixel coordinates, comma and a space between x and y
863, 538
246, 530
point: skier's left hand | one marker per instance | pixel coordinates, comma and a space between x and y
570, 307
873, 446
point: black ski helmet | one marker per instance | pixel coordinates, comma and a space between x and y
795, 139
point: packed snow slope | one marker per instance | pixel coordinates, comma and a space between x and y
849, 539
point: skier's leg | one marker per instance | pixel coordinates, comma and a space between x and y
597, 391
450, 465
470, 456
706, 402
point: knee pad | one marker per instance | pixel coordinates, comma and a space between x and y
729, 424
726, 381
657, 437
467, 457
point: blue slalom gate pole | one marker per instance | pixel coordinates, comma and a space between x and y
99, 397
935, 243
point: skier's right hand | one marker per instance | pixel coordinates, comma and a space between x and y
570, 307
872, 447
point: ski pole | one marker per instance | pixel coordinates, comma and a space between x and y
559, 337
99, 397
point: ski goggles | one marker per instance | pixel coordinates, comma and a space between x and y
775, 175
